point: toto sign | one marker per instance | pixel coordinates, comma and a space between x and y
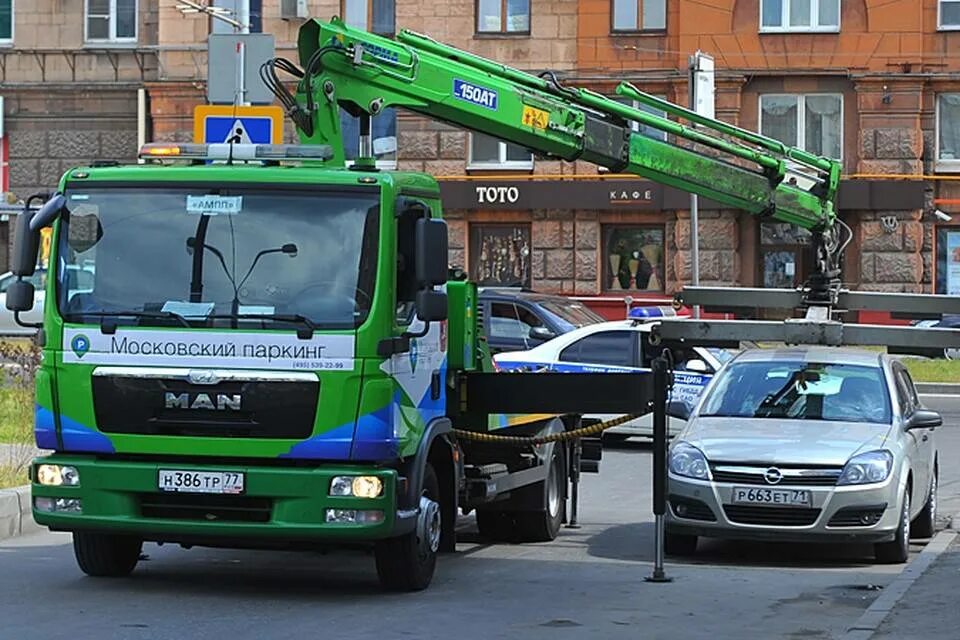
497, 195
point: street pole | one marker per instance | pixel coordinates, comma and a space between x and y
694, 198
243, 16
702, 102
660, 375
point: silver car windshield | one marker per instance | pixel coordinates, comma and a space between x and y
800, 391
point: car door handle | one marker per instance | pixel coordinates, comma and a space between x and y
925, 437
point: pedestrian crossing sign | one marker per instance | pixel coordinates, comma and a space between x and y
243, 125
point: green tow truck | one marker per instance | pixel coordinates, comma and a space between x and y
274, 353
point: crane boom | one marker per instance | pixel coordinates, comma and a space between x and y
364, 73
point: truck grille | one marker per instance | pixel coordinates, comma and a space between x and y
774, 516
208, 508
231, 408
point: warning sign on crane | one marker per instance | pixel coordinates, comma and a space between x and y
244, 125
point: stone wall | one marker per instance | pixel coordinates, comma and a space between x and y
51, 131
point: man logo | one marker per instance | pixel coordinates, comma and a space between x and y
221, 402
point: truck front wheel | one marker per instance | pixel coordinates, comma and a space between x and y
407, 563
106, 555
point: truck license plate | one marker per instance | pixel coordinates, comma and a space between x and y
772, 497
231, 482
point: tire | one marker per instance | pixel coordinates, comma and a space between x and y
679, 544
496, 526
898, 550
407, 563
105, 555
544, 525
925, 525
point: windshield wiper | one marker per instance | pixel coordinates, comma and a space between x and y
305, 332
107, 327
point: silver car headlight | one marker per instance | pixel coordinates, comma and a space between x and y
867, 468
688, 461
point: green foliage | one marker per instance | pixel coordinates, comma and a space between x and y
923, 370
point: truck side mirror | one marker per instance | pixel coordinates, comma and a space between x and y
26, 244
431, 305
431, 252
20, 296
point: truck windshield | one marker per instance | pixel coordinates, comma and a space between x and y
252, 257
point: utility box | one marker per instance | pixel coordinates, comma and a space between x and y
293, 9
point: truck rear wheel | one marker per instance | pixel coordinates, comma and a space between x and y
407, 563
543, 525
106, 555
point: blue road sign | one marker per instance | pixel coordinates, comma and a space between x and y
244, 125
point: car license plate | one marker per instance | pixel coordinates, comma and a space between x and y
772, 497
175, 480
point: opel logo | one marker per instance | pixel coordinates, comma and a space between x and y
772, 475
200, 376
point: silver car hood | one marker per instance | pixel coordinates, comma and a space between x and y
775, 441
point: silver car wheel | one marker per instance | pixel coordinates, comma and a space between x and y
906, 521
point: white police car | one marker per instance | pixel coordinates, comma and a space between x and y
617, 347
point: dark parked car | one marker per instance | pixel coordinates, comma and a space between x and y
945, 322
520, 319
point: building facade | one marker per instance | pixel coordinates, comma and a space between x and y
874, 83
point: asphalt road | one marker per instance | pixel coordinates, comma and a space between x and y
587, 583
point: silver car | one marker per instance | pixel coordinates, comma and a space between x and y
810, 445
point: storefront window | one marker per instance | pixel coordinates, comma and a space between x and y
948, 261
633, 258
500, 255
784, 255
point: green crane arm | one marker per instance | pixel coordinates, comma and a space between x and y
364, 73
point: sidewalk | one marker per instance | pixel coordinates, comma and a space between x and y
923, 607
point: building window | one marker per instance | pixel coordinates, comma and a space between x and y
948, 132
639, 15
500, 255
948, 261
111, 20
799, 15
6, 21
785, 255
487, 152
375, 16
650, 132
383, 131
949, 15
813, 122
633, 258
254, 9
503, 16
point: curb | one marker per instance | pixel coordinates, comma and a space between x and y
869, 622
940, 388
16, 517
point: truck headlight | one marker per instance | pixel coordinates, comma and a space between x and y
688, 461
55, 475
356, 486
867, 468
